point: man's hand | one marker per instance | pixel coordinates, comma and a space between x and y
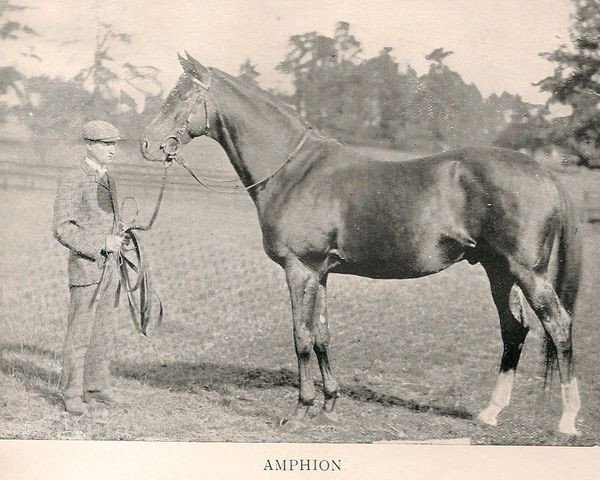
113, 243
127, 243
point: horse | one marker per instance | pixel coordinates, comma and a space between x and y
324, 207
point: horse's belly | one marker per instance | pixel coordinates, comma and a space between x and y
404, 261
386, 270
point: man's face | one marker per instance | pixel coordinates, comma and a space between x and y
102, 152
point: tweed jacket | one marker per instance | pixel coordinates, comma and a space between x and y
84, 214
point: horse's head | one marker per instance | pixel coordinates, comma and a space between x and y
183, 116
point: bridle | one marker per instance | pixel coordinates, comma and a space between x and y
171, 144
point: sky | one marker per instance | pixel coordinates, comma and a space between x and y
496, 43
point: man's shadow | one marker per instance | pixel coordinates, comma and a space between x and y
22, 361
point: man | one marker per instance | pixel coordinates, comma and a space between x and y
85, 222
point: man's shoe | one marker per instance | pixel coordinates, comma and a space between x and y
75, 406
99, 396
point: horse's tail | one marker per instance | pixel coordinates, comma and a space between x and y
568, 273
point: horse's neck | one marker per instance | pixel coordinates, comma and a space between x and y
257, 137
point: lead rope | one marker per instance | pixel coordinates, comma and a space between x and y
139, 294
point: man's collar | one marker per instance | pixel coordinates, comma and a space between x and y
99, 169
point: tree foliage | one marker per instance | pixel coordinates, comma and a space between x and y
248, 72
370, 99
113, 85
576, 83
55, 109
10, 31
335, 87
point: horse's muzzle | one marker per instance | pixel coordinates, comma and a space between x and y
151, 154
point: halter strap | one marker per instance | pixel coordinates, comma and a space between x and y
288, 159
202, 180
204, 85
205, 88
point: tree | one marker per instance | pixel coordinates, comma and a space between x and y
449, 109
310, 62
55, 113
347, 47
57, 108
385, 97
363, 100
528, 132
341, 101
116, 91
249, 72
11, 31
507, 121
326, 77
576, 83
438, 55
102, 78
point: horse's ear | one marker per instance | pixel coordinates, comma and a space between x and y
200, 70
185, 63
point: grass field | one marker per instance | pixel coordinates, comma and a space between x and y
416, 359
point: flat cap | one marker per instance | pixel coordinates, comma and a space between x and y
100, 131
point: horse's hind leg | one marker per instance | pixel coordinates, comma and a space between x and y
303, 284
513, 327
321, 328
558, 326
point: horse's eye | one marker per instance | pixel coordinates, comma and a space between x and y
186, 96
179, 117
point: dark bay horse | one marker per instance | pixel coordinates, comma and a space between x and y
324, 208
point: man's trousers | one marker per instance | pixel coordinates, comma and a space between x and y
89, 342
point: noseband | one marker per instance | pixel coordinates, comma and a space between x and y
170, 145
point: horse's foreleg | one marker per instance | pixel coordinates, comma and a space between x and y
509, 302
330, 385
303, 284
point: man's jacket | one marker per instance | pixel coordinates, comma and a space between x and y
83, 216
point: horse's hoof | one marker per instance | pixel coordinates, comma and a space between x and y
291, 425
567, 427
488, 418
326, 418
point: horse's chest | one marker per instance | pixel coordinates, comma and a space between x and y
298, 238
303, 227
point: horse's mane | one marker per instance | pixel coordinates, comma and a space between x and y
261, 99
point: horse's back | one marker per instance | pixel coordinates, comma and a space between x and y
493, 174
490, 161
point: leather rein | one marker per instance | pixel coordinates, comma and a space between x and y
139, 292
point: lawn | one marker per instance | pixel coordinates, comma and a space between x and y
416, 359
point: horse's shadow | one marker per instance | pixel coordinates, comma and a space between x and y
220, 378
192, 377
